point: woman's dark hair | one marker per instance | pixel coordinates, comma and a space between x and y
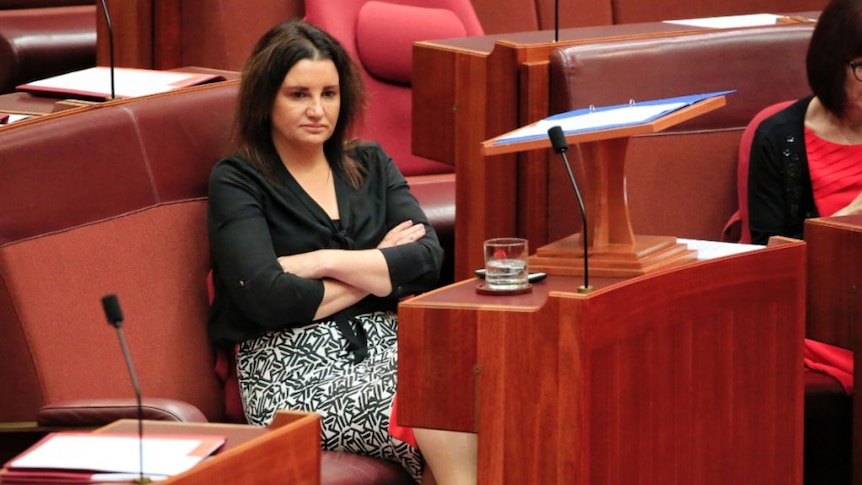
275, 54
837, 40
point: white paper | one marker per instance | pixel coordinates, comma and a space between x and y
715, 249
163, 457
621, 116
13, 118
128, 82
730, 21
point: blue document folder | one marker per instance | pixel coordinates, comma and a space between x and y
605, 117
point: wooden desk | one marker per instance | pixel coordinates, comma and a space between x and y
834, 313
24, 103
41, 105
288, 451
688, 375
468, 90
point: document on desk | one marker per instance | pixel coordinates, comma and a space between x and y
717, 249
604, 117
72, 457
95, 82
731, 21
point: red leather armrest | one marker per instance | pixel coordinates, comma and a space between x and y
99, 412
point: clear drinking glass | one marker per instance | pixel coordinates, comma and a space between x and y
506, 264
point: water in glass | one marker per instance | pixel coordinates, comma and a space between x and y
506, 274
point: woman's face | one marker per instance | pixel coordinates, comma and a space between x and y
307, 104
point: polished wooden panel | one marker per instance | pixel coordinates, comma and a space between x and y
168, 34
834, 303
687, 375
834, 279
132, 22
147, 34
540, 14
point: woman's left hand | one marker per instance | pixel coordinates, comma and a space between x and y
403, 233
854, 207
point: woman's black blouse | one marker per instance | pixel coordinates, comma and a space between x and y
252, 221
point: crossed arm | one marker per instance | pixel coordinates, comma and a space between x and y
349, 276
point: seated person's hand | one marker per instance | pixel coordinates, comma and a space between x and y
305, 265
403, 233
854, 207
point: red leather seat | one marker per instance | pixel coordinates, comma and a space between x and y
379, 36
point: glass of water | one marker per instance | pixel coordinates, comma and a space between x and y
506, 264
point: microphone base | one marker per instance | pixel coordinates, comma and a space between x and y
141, 481
585, 289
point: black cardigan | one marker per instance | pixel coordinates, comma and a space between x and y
780, 196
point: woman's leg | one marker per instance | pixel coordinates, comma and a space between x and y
450, 456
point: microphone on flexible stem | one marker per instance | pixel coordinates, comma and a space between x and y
556, 20
110, 47
560, 145
114, 314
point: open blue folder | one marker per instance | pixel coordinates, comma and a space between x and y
605, 117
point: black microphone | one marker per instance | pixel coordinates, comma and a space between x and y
110, 54
560, 145
114, 314
556, 21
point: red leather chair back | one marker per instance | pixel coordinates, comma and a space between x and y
681, 181
379, 36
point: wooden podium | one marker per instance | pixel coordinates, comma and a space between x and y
612, 247
689, 374
466, 90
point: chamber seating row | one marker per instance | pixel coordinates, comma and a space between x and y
112, 199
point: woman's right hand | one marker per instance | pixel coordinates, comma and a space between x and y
403, 233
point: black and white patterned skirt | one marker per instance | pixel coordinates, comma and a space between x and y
308, 369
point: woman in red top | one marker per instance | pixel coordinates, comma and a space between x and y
806, 160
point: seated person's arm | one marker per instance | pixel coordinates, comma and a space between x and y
853, 208
246, 263
411, 253
364, 269
242, 249
767, 201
